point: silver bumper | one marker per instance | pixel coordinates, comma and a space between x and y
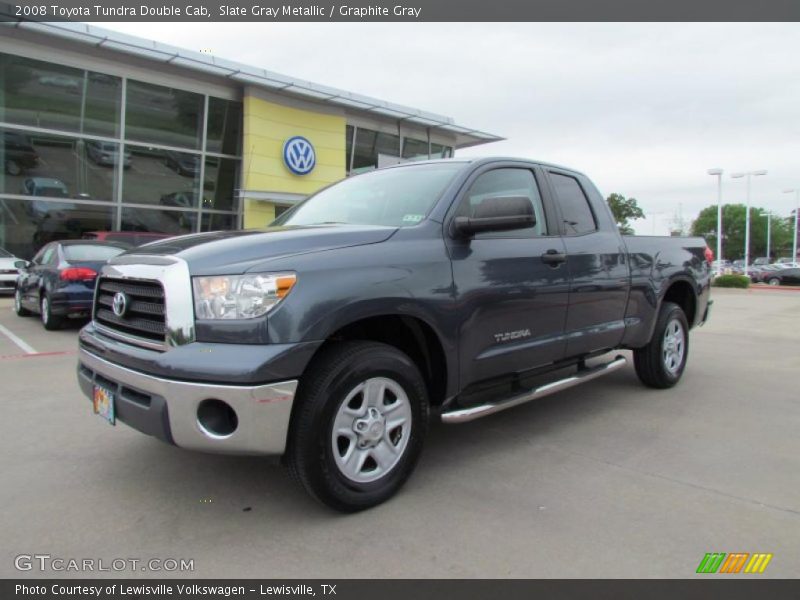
263, 411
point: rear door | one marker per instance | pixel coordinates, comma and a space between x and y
510, 303
596, 262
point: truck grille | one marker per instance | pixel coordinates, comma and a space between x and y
146, 310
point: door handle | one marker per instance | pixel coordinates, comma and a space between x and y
553, 257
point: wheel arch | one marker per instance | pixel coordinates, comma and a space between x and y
411, 335
681, 292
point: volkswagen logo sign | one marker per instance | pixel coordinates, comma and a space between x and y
299, 155
120, 304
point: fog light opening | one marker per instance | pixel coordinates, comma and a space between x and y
216, 419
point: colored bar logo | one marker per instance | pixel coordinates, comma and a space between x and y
720, 562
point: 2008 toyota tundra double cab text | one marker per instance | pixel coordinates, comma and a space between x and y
459, 286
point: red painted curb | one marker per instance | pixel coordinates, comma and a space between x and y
37, 354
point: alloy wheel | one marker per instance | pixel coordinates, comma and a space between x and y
371, 429
674, 346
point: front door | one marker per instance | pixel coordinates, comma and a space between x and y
511, 301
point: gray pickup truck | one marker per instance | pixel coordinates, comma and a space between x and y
460, 287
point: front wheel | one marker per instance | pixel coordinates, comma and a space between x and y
18, 308
661, 362
359, 425
774, 281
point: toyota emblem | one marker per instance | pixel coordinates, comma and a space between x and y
120, 304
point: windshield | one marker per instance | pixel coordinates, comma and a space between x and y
398, 197
5, 254
90, 252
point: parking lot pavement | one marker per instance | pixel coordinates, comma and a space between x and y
606, 480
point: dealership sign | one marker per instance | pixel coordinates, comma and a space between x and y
299, 155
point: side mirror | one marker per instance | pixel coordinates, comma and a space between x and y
22, 265
497, 213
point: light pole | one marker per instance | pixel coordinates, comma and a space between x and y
769, 232
718, 173
747, 174
796, 217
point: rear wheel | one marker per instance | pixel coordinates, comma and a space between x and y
661, 362
50, 321
359, 425
18, 308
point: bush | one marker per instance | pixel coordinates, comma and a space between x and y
732, 281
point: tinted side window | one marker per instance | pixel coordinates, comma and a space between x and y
49, 255
37, 260
506, 182
575, 208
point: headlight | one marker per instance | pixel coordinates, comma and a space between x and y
239, 296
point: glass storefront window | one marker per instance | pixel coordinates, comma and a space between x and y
224, 134
440, 151
415, 149
348, 147
221, 183
175, 222
27, 225
58, 166
51, 96
161, 115
59, 171
102, 105
162, 177
217, 222
369, 144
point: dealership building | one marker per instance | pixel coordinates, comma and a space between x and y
108, 132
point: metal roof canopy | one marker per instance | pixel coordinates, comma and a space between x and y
246, 74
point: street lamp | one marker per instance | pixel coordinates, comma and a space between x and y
718, 173
796, 217
747, 174
769, 232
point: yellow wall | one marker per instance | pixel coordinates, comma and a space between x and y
267, 126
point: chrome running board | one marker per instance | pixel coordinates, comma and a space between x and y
582, 376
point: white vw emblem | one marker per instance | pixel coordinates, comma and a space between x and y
299, 155
120, 304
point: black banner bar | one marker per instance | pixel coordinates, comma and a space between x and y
401, 10
705, 588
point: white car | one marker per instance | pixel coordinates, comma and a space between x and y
8, 272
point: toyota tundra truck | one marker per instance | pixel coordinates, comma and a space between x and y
458, 287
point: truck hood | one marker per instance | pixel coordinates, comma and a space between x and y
233, 252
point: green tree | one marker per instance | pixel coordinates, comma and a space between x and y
733, 231
624, 210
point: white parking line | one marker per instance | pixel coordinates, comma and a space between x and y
17, 340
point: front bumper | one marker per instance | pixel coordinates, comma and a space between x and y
8, 282
167, 409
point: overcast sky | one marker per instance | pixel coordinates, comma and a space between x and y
643, 109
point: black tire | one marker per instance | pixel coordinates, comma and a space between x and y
652, 366
18, 308
50, 321
331, 378
773, 281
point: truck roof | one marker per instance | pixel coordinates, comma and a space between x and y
483, 160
